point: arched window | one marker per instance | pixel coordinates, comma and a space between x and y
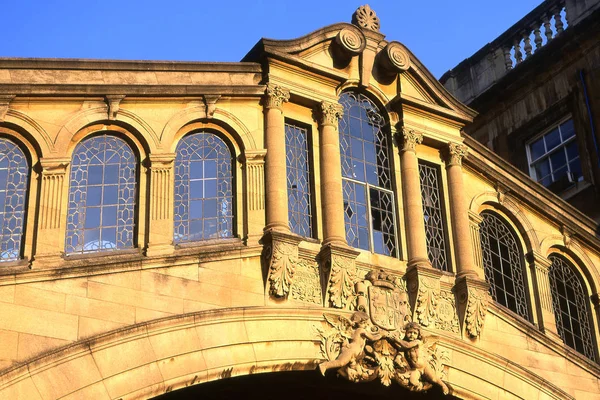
570, 303
203, 188
369, 212
14, 174
503, 264
102, 196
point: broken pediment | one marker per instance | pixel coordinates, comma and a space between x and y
358, 53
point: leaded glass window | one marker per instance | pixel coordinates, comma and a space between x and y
102, 196
298, 180
571, 310
14, 174
435, 230
203, 189
369, 212
503, 264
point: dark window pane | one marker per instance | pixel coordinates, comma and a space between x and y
552, 139
537, 149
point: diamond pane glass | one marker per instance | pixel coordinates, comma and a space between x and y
14, 175
203, 189
102, 196
571, 309
435, 228
367, 180
503, 264
298, 180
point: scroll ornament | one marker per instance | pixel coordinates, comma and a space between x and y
427, 301
476, 311
344, 276
282, 268
350, 40
363, 352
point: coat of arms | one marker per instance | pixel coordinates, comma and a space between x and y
379, 341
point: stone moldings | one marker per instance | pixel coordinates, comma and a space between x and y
362, 351
366, 18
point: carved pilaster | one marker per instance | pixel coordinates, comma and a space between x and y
339, 276
255, 178
51, 199
331, 113
410, 139
280, 256
4, 105
540, 266
423, 286
472, 298
474, 224
275, 96
456, 153
161, 185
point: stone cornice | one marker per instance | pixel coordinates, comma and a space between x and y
144, 90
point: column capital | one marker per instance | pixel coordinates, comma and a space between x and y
456, 153
54, 165
161, 160
275, 96
330, 113
410, 139
539, 261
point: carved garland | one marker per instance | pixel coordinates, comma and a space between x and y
476, 311
344, 276
283, 257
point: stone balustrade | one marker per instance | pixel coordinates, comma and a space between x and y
517, 44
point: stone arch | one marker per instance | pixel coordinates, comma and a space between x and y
31, 127
583, 263
234, 125
373, 92
155, 357
97, 115
511, 210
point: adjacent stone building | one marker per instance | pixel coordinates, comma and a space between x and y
177, 230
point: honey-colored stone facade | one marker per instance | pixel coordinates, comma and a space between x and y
162, 316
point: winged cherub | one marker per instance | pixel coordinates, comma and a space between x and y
354, 349
415, 354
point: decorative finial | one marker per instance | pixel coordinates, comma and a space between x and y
366, 18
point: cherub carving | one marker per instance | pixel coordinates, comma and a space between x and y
415, 353
352, 351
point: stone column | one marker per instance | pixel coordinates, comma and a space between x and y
540, 267
332, 200
461, 227
275, 166
160, 239
423, 281
413, 202
470, 289
50, 237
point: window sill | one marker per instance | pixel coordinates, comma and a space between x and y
103, 255
209, 245
574, 190
16, 266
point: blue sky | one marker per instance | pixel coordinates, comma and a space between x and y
440, 33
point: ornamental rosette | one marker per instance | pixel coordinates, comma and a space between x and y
276, 95
365, 17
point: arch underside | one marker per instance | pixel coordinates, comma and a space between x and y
181, 352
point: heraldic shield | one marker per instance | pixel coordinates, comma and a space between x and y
388, 307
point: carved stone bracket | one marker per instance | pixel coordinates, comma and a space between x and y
113, 101
275, 96
339, 275
331, 113
4, 105
409, 139
210, 101
472, 297
280, 255
456, 153
423, 285
255, 178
